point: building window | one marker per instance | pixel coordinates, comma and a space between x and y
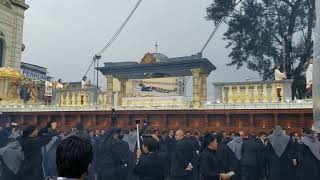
2, 46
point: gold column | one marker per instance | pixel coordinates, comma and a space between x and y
62, 100
223, 95
196, 99
230, 95
282, 92
239, 95
73, 100
247, 94
85, 100
109, 90
122, 92
68, 102
274, 95
256, 94
265, 93
203, 87
79, 99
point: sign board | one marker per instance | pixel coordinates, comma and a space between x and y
34, 75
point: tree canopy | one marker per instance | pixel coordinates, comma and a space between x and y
264, 33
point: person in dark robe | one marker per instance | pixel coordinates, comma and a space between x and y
109, 156
11, 158
250, 159
261, 142
150, 164
81, 132
233, 155
226, 138
281, 156
126, 155
309, 156
49, 153
182, 158
168, 141
5, 132
196, 144
31, 143
209, 163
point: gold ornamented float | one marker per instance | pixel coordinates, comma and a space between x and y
10, 80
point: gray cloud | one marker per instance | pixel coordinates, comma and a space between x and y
63, 35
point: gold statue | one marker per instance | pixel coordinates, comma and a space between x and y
33, 93
148, 59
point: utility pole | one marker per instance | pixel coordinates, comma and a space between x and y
316, 72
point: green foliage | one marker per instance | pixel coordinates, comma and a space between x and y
259, 29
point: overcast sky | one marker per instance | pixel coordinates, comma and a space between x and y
63, 35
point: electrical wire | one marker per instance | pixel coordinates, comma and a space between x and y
114, 37
217, 27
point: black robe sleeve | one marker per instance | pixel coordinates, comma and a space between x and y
205, 167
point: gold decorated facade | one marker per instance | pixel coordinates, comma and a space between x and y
10, 80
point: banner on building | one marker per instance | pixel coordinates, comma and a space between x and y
34, 75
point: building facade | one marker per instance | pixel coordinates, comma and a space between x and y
11, 32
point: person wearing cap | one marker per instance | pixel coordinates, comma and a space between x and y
31, 142
309, 156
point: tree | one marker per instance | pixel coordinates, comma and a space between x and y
263, 33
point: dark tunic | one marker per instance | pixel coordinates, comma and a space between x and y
196, 145
233, 164
250, 160
182, 155
210, 165
31, 168
4, 134
168, 142
281, 168
125, 154
262, 169
150, 166
309, 165
110, 159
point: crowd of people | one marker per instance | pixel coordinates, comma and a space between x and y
116, 154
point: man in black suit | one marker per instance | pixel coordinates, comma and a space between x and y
249, 162
261, 141
150, 165
169, 143
182, 158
